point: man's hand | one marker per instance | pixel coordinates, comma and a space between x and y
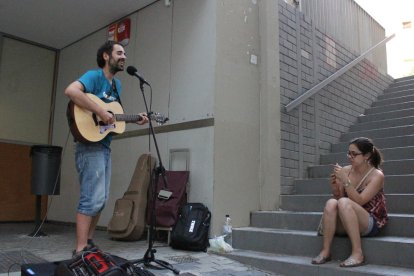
107, 117
143, 119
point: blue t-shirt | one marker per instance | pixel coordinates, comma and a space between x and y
95, 82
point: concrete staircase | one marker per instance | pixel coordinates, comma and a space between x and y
284, 242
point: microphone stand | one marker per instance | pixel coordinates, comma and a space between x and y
149, 255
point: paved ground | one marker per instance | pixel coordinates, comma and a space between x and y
60, 239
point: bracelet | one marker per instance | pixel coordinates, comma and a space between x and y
347, 183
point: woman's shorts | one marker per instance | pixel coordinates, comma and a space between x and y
372, 229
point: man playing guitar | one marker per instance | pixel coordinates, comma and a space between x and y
93, 159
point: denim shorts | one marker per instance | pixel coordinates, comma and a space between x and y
93, 163
372, 229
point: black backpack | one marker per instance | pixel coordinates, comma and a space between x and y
192, 228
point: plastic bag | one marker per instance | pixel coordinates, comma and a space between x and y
218, 244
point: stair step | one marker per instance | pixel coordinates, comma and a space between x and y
386, 115
402, 82
399, 86
394, 184
288, 265
386, 102
396, 203
394, 167
398, 153
379, 133
404, 79
396, 94
381, 143
390, 251
389, 107
399, 225
391, 122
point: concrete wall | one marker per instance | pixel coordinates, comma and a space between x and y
246, 137
350, 25
308, 56
237, 106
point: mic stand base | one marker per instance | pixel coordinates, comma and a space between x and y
149, 258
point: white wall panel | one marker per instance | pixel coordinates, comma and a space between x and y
193, 60
26, 84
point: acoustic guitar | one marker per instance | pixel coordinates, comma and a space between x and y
86, 126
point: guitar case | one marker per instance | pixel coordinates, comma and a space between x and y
128, 219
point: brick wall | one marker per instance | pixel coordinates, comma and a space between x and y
308, 56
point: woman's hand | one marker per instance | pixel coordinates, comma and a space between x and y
336, 185
340, 174
335, 188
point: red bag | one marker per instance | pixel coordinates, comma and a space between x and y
168, 202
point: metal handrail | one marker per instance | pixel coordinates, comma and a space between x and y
294, 103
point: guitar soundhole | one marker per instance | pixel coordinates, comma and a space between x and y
95, 119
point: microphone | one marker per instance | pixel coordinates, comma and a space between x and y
133, 72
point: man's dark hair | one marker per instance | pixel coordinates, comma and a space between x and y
107, 47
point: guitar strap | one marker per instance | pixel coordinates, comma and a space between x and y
116, 92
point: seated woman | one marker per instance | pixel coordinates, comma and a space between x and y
359, 206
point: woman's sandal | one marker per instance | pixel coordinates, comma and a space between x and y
351, 262
318, 260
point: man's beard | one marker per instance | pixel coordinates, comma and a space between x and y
114, 67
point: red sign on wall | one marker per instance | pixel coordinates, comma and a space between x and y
120, 31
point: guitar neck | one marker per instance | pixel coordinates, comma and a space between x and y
128, 118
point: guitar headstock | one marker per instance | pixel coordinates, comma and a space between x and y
158, 117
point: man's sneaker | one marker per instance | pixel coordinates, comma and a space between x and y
86, 249
92, 244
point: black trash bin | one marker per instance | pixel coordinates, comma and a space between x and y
45, 178
46, 169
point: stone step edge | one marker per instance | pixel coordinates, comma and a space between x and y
396, 128
368, 269
391, 239
379, 105
287, 212
385, 112
388, 148
325, 178
358, 124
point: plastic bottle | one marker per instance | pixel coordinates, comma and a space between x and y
227, 229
